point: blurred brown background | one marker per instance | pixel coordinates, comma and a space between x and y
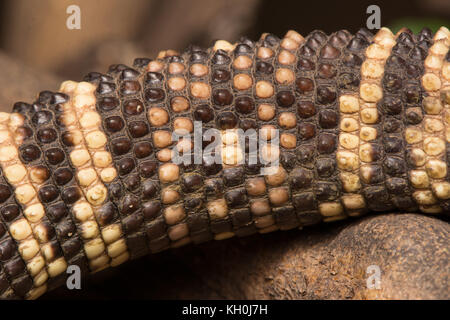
37, 51
34, 35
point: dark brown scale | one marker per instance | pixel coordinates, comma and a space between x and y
328, 119
198, 56
392, 105
151, 210
129, 74
114, 124
10, 212
48, 193
392, 125
304, 85
220, 58
358, 43
285, 99
396, 61
326, 191
130, 87
305, 154
326, 71
227, 120
153, 78
352, 60
29, 153
247, 124
244, 105
222, 97
149, 189
63, 176
120, 146
326, 143
326, 95
133, 107
132, 182
67, 138
191, 182
220, 76
54, 156
348, 81
394, 166
148, 168
301, 178
105, 88
210, 167
329, 52
263, 67
21, 107
306, 109
107, 103
154, 95
138, 129
203, 113
126, 165
393, 144
305, 64
306, 130
313, 43
236, 197
46, 135
143, 149
57, 212
270, 40
392, 82
233, 176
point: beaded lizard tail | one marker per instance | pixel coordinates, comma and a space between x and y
88, 177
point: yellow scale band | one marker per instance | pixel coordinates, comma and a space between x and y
429, 136
25, 230
107, 246
347, 153
358, 112
90, 123
370, 93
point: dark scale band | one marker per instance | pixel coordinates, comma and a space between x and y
121, 85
